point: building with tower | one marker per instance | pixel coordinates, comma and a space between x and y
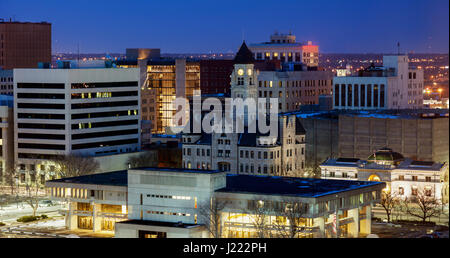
248, 152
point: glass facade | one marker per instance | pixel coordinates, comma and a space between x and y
161, 82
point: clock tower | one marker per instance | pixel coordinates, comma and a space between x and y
244, 76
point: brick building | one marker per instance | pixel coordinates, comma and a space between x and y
24, 44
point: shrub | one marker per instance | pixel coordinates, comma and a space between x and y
2, 224
43, 216
27, 218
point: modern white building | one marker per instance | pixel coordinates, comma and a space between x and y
284, 47
82, 110
177, 203
391, 86
404, 177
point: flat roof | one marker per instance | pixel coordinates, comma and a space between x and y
115, 178
384, 114
159, 223
292, 186
179, 170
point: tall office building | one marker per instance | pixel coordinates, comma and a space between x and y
88, 111
164, 81
285, 48
24, 44
391, 86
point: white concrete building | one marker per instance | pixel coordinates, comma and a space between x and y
403, 177
284, 47
87, 111
391, 86
6, 135
94, 202
174, 203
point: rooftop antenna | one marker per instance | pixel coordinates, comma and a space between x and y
78, 55
398, 47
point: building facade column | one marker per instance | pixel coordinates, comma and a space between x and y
321, 223
71, 218
353, 228
366, 224
96, 220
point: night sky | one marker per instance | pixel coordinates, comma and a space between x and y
194, 26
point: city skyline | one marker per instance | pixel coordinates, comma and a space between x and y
337, 27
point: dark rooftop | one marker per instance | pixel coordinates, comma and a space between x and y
349, 160
159, 223
244, 55
422, 163
182, 170
116, 178
301, 187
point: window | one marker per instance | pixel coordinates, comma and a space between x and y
401, 177
414, 178
428, 179
401, 191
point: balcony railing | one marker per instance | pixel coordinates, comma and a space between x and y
82, 213
112, 215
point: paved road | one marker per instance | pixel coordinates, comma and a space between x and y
12, 213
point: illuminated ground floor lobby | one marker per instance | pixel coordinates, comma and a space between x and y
351, 223
92, 216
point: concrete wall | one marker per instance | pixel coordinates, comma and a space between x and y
421, 139
117, 162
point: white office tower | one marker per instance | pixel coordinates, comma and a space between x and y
87, 111
392, 86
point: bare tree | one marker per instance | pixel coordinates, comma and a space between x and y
423, 206
33, 192
389, 201
11, 175
32, 198
147, 159
75, 165
260, 211
290, 218
210, 214
311, 172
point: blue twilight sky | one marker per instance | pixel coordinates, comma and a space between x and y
201, 26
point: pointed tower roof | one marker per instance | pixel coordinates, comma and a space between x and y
244, 55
